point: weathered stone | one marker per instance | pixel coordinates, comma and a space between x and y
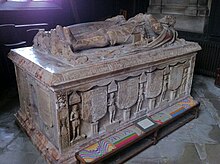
66, 104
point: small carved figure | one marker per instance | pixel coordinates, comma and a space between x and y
64, 133
184, 79
111, 108
165, 88
140, 98
75, 120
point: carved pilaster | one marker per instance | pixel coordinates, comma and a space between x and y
126, 114
173, 95
190, 74
152, 103
94, 128
61, 101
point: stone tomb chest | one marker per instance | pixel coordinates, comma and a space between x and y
78, 84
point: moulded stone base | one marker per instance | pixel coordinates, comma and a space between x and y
47, 149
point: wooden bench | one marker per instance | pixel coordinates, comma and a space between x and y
143, 133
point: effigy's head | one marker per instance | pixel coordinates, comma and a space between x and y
169, 20
142, 28
154, 23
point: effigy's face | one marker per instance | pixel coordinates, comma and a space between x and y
154, 23
157, 27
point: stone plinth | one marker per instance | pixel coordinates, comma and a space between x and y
68, 104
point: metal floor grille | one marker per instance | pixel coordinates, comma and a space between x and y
208, 59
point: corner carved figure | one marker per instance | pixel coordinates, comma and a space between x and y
75, 120
143, 29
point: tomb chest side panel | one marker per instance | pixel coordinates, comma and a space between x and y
36, 101
95, 106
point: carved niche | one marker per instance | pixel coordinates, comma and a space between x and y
70, 118
112, 88
75, 117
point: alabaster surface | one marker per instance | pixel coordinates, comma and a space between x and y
80, 83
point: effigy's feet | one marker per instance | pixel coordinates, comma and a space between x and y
65, 34
68, 35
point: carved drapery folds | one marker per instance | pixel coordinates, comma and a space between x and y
89, 83
143, 30
120, 100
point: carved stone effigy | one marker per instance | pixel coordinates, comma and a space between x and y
81, 83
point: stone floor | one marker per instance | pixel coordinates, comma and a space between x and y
196, 142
